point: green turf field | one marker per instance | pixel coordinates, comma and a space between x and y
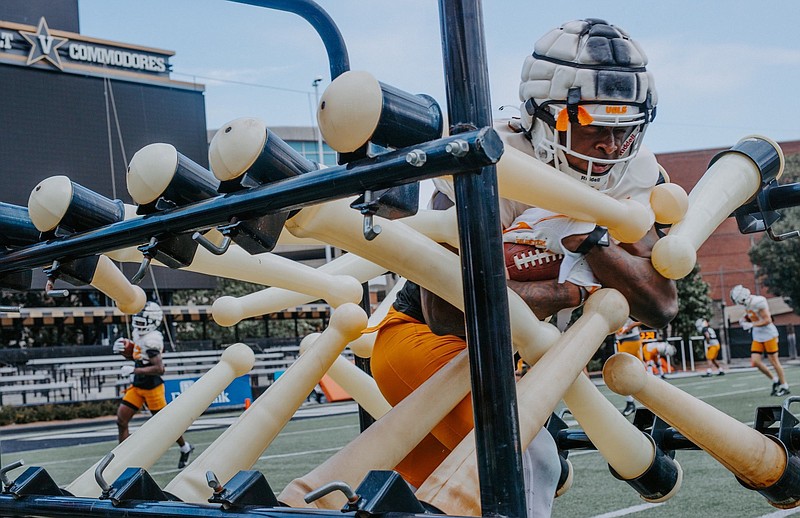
708, 489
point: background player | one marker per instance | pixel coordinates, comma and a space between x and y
147, 387
711, 345
629, 340
758, 319
656, 356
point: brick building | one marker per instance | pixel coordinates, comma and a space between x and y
723, 258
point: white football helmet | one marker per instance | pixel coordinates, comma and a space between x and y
148, 319
591, 73
740, 294
700, 323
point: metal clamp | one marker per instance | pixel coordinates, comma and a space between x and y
211, 247
789, 400
227, 231
371, 231
5, 469
213, 482
49, 286
98, 473
330, 487
784, 236
148, 251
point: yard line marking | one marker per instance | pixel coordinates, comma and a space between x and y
54, 462
264, 457
164, 472
778, 514
298, 453
315, 430
111, 432
738, 378
731, 393
628, 510
326, 429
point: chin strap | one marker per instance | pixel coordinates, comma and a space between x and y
573, 112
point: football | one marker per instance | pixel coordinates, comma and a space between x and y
127, 352
530, 263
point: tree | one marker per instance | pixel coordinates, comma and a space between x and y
779, 261
693, 302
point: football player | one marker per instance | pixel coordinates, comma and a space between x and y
711, 344
147, 387
629, 340
587, 99
758, 319
656, 356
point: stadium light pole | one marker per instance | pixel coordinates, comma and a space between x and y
320, 151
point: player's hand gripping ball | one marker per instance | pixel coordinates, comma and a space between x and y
530, 263
124, 347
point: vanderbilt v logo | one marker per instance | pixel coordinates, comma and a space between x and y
46, 42
44, 46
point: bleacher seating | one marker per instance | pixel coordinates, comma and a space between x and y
82, 378
50, 391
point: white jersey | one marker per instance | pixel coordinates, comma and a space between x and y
712, 335
152, 340
752, 307
541, 225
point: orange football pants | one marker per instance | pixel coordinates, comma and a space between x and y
407, 353
633, 347
770, 346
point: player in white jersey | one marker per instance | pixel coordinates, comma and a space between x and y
758, 319
601, 73
147, 386
653, 298
711, 344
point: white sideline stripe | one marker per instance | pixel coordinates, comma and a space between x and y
778, 514
109, 432
264, 457
315, 430
628, 510
731, 393
299, 453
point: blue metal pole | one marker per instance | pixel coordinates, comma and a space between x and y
322, 23
485, 299
384, 171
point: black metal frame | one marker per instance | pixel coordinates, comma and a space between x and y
486, 306
387, 170
494, 400
488, 329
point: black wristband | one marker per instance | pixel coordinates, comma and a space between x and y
597, 237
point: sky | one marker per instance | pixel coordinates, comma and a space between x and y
723, 70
